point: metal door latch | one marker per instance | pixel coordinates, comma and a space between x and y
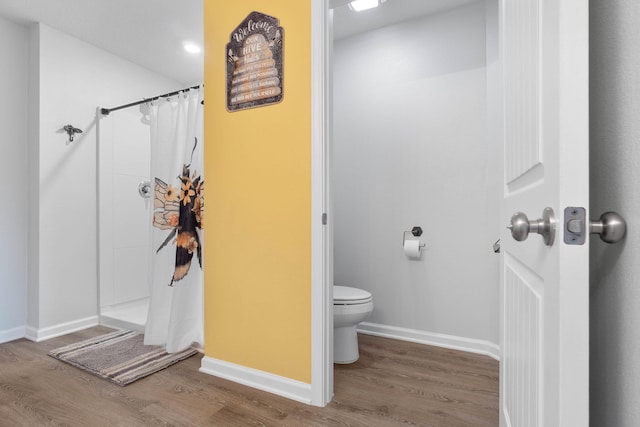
574, 226
610, 226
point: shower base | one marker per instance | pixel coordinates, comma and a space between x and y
130, 315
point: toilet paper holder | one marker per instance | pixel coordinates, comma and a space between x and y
416, 232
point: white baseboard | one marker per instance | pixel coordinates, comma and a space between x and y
486, 348
285, 387
49, 332
13, 334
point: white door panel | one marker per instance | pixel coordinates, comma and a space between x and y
544, 320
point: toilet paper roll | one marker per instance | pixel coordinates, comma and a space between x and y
412, 249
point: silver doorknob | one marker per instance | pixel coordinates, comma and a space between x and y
611, 227
546, 226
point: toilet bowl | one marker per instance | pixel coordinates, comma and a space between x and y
350, 307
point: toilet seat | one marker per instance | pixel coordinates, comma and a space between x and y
345, 295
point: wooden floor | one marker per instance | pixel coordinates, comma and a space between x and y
393, 383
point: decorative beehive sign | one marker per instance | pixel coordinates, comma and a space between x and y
254, 63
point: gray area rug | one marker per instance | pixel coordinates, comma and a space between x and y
120, 357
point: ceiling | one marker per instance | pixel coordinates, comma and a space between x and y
151, 33
348, 23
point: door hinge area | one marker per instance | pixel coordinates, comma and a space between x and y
324, 218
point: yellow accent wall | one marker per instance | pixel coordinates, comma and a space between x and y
257, 255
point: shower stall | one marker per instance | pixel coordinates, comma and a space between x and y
150, 218
124, 215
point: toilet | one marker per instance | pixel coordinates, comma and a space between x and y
350, 307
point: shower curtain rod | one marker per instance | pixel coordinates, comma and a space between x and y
106, 111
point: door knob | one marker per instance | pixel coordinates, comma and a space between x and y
546, 226
611, 227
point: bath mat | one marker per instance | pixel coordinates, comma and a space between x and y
120, 357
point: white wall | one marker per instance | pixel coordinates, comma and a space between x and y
74, 78
615, 177
14, 178
411, 148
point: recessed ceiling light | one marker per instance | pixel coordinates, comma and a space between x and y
192, 48
360, 5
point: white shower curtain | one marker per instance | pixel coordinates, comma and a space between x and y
175, 317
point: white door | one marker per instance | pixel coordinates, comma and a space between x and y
544, 372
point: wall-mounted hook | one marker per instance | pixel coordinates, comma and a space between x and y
71, 131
